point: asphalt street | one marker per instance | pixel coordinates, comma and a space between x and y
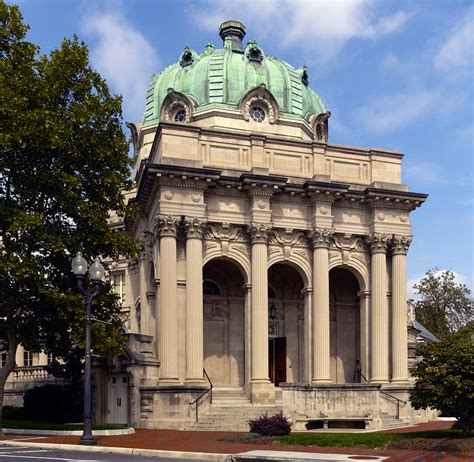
29, 454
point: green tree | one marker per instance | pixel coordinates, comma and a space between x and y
444, 306
445, 377
63, 167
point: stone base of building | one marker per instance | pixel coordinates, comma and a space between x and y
261, 394
358, 405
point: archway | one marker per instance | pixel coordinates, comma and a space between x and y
344, 326
286, 324
223, 301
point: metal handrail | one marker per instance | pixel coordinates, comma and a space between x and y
198, 399
388, 394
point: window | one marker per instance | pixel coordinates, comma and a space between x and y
257, 114
210, 288
3, 358
119, 286
255, 56
180, 116
27, 358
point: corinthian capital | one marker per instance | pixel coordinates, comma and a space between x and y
400, 244
321, 237
195, 227
377, 242
168, 226
259, 232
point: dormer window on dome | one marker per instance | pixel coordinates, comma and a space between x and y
187, 57
180, 115
176, 107
254, 53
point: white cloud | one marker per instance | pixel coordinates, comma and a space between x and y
412, 293
392, 112
324, 26
123, 56
456, 53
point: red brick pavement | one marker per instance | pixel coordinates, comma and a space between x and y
173, 440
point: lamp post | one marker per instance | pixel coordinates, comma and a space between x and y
96, 274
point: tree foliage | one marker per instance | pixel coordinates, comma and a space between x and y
445, 377
63, 166
444, 306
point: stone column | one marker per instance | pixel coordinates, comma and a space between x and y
259, 309
400, 246
262, 390
194, 306
321, 359
379, 308
168, 329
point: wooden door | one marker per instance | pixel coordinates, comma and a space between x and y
277, 360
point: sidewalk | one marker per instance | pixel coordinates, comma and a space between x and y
187, 442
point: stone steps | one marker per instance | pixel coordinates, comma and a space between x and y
230, 416
389, 421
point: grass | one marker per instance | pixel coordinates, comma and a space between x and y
361, 440
30, 425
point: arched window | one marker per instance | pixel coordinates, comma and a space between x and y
210, 288
258, 114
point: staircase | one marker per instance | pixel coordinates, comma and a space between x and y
230, 411
389, 421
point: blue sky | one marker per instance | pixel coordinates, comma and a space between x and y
394, 74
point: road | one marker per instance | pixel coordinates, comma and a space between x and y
30, 454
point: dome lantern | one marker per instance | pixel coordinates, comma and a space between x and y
236, 31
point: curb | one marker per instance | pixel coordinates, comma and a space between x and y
131, 451
22, 431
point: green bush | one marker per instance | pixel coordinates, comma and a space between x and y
54, 403
13, 413
275, 425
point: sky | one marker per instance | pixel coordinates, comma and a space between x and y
394, 74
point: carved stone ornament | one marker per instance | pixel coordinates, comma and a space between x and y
378, 242
321, 237
287, 236
259, 233
400, 244
195, 227
321, 126
168, 226
348, 242
225, 231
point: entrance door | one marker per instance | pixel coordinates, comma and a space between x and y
118, 399
277, 359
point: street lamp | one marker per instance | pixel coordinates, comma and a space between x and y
96, 274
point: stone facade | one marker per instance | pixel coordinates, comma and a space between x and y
273, 262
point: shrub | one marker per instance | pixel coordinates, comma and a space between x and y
13, 413
275, 425
54, 403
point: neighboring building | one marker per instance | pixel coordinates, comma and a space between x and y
271, 259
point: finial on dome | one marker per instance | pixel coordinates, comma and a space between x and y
235, 30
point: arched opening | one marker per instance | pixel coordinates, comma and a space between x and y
285, 324
344, 326
224, 339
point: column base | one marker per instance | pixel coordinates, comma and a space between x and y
316, 381
197, 381
261, 393
379, 380
165, 381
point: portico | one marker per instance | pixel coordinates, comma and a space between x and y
272, 259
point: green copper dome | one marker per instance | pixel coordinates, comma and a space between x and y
220, 78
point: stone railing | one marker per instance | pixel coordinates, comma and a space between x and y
30, 373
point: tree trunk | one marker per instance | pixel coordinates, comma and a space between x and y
4, 373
